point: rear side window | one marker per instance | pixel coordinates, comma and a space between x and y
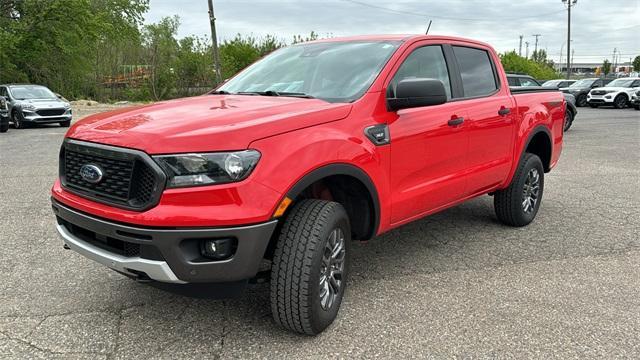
478, 78
528, 82
424, 62
513, 81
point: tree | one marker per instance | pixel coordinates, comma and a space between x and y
161, 53
512, 62
636, 63
606, 67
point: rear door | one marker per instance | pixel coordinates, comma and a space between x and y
428, 149
490, 118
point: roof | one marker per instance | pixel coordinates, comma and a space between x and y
399, 37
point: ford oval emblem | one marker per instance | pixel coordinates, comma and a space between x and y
91, 173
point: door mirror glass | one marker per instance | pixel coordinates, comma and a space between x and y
417, 92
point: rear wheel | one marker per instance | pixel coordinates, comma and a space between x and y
620, 102
581, 100
518, 204
310, 264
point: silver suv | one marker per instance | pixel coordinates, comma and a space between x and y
35, 104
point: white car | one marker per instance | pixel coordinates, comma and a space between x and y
617, 93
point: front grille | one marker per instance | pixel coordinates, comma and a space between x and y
129, 178
51, 112
598, 92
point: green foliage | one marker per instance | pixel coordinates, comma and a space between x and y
606, 67
513, 63
242, 51
636, 63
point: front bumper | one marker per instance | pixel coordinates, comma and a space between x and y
600, 99
40, 119
168, 255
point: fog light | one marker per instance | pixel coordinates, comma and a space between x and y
218, 249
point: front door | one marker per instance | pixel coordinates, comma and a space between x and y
429, 144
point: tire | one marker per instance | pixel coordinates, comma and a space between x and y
16, 118
593, 105
637, 107
298, 266
4, 125
568, 120
581, 100
510, 202
620, 102
65, 124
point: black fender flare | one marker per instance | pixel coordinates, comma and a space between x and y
537, 130
342, 169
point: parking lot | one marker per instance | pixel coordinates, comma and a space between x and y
457, 284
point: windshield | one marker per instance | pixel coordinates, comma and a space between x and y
620, 83
31, 92
551, 83
331, 71
582, 83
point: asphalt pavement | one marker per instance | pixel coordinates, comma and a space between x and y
456, 284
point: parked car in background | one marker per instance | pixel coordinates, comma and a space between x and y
581, 88
4, 115
35, 104
635, 100
617, 93
558, 83
521, 80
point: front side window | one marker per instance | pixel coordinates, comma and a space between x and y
424, 63
331, 71
478, 77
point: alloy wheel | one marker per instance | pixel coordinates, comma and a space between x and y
333, 260
531, 191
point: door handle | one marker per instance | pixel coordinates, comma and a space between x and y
456, 121
504, 111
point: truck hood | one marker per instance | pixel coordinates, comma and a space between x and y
205, 123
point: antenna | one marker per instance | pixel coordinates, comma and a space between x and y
428, 27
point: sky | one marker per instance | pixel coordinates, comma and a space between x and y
597, 26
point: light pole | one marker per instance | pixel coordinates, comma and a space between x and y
569, 3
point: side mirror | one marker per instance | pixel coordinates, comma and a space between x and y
418, 92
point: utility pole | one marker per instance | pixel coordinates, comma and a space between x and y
214, 40
570, 3
535, 49
613, 68
520, 47
526, 43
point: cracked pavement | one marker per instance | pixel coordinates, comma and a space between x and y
456, 284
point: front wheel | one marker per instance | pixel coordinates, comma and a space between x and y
620, 102
16, 118
568, 120
518, 204
581, 100
310, 264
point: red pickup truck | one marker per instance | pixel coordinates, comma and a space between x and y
314, 146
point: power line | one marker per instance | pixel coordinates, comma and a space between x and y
404, 12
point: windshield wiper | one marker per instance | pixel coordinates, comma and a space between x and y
277, 93
220, 92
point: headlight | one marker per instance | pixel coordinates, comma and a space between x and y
208, 168
27, 106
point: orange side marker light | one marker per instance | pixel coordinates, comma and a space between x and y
284, 204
